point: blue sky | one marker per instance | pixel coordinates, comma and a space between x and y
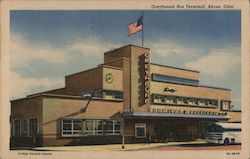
47, 45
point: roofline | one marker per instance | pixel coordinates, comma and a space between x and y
82, 71
95, 68
114, 60
227, 89
124, 47
35, 94
66, 97
175, 67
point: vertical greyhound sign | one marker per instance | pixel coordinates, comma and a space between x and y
146, 78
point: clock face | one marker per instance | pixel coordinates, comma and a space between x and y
109, 78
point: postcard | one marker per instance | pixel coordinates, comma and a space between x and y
125, 79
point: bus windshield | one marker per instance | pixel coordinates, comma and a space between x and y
214, 128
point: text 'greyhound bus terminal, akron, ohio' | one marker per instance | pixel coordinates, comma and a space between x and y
122, 100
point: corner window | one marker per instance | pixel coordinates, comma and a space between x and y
140, 130
17, 128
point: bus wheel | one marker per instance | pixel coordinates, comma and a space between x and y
226, 141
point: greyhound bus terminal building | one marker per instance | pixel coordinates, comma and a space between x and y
125, 96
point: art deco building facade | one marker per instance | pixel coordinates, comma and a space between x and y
126, 95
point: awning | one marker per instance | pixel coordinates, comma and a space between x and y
171, 115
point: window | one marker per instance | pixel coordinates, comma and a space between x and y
25, 127
113, 94
172, 79
94, 127
162, 99
72, 127
192, 101
77, 127
156, 99
225, 105
98, 127
117, 127
212, 103
108, 94
109, 125
67, 128
201, 102
33, 127
179, 100
140, 130
171, 99
17, 128
81, 127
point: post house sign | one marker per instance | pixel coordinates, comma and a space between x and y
178, 111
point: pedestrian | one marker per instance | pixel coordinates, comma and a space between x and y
149, 138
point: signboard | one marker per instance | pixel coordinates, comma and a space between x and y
146, 78
178, 111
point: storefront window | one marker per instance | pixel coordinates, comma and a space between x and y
77, 127
109, 127
140, 130
81, 127
89, 127
98, 127
17, 128
117, 125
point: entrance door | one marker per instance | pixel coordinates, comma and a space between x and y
165, 133
203, 125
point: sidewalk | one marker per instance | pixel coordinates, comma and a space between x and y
112, 147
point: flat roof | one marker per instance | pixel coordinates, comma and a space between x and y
175, 67
215, 87
66, 97
171, 115
229, 125
126, 46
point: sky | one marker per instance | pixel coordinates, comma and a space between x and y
48, 45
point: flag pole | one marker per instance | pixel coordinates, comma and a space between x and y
142, 40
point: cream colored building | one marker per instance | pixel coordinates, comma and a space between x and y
126, 95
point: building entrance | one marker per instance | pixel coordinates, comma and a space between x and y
165, 133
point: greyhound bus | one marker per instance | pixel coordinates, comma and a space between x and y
224, 133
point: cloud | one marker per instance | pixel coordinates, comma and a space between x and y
166, 47
23, 52
26, 86
92, 47
217, 63
24, 55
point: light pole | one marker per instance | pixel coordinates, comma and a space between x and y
123, 137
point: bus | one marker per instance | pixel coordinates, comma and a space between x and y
224, 133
